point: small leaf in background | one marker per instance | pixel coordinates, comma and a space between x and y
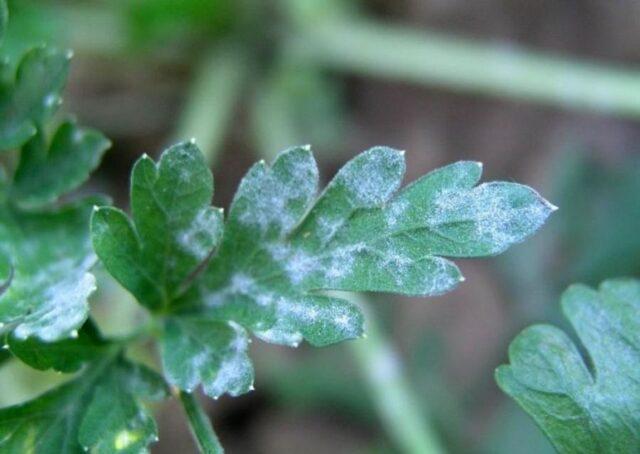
174, 226
32, 99
51, 254
44, 175
208, 352
583, 406
100, 411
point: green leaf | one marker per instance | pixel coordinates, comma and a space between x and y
4, 17
44, 175
98, 411
174, 228
115, 421
321, 320
67, 355
32, 99
209, 352
583, 405
282, 244
51, 256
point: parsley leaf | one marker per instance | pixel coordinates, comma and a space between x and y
282, 245
28, 102
214, 353
66, 355
50, 252
45, 174
583, 406
174, 228
99, 410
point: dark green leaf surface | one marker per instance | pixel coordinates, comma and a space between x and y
44, 175
99, 411
583, 406
212, 353
51, 254
174, 228
30, 101
282, 243
4, 16
67, 355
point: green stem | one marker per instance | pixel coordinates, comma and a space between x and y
200, 425
375, 49
402, 414
211, 101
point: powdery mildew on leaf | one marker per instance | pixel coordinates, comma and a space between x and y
283, 243
172, 231
583, 407
51, 254
208, 352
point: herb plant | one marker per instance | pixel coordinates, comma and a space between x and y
208, 281
583, 406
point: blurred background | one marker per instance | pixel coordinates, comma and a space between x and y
546, 93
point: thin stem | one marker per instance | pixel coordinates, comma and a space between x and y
404, 419
200, 425
375, 49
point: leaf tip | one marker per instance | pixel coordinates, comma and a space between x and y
551, 206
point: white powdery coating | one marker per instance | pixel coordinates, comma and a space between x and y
220, 371
496, 223
235, 373
341, 262
240, 284
394, 211
440, 281
297, 263
198, 239
327, 228
64, 308
269, 195
279, 335
294, 314
372, 177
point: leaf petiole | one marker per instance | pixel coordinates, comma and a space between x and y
199, 424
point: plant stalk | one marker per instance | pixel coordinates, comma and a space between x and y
368, 48
401, 413
200, 425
